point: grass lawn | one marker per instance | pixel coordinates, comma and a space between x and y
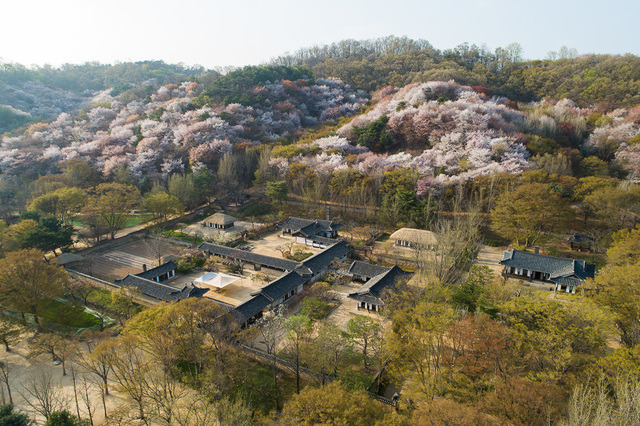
132, 220
68, 315
100, 297
103, 298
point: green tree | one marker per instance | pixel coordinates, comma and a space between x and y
8, 417
48, 235
80, 173
332, 404
184, 189
556, 336
162, 205
531, 210
113, 202
64, 418
374, 135
28, 283
276, 191
299, 330
469, 293
363, 331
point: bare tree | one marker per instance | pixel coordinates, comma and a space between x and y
272, 330
130, 365
42, 393
61, 348
5, 376
79, 288
157, 245
87, 398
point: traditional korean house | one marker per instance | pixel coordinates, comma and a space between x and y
161, 292
364, 271
415, 238
566, 274
317, 233
160, 273
580, 242
369, 296
219, 221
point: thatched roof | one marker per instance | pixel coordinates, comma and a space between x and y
66, 258
220, 219
415, 236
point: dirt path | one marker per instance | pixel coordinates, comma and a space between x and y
23, 369
489, 257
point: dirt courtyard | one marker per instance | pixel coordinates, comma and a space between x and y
111, 262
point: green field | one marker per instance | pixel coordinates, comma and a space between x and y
68, 315
132, 220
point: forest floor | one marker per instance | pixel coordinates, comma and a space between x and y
25, 370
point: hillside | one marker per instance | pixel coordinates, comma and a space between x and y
155, 133
372, 64
42, 93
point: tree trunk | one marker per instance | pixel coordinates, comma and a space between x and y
298, 371
275, 383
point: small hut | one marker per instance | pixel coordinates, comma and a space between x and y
219, 221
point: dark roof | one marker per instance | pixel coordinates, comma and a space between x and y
366, 269
251, 308
581, 239
160, 291
376, 286
556, 267
249, 257
320, 261
309, 227
283, 285
158, 270
323, 240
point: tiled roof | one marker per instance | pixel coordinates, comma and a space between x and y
251, 308
366, 269
376, 286
283, 285
249, 257
160, 291
158, 270
556, 267
310, 227
320, 261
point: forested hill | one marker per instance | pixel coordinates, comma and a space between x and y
29, 95
372, 64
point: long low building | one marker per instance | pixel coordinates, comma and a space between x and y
160, 292
566, 274
248, 257
296, 275
415, 238
270, 296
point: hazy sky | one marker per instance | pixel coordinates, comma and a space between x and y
242, 32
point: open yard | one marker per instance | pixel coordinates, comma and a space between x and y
110, 262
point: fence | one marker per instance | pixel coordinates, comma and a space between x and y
290, 366
97, 282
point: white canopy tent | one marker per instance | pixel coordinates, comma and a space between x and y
216, 279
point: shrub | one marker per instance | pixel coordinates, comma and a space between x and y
314, 308
186, 265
